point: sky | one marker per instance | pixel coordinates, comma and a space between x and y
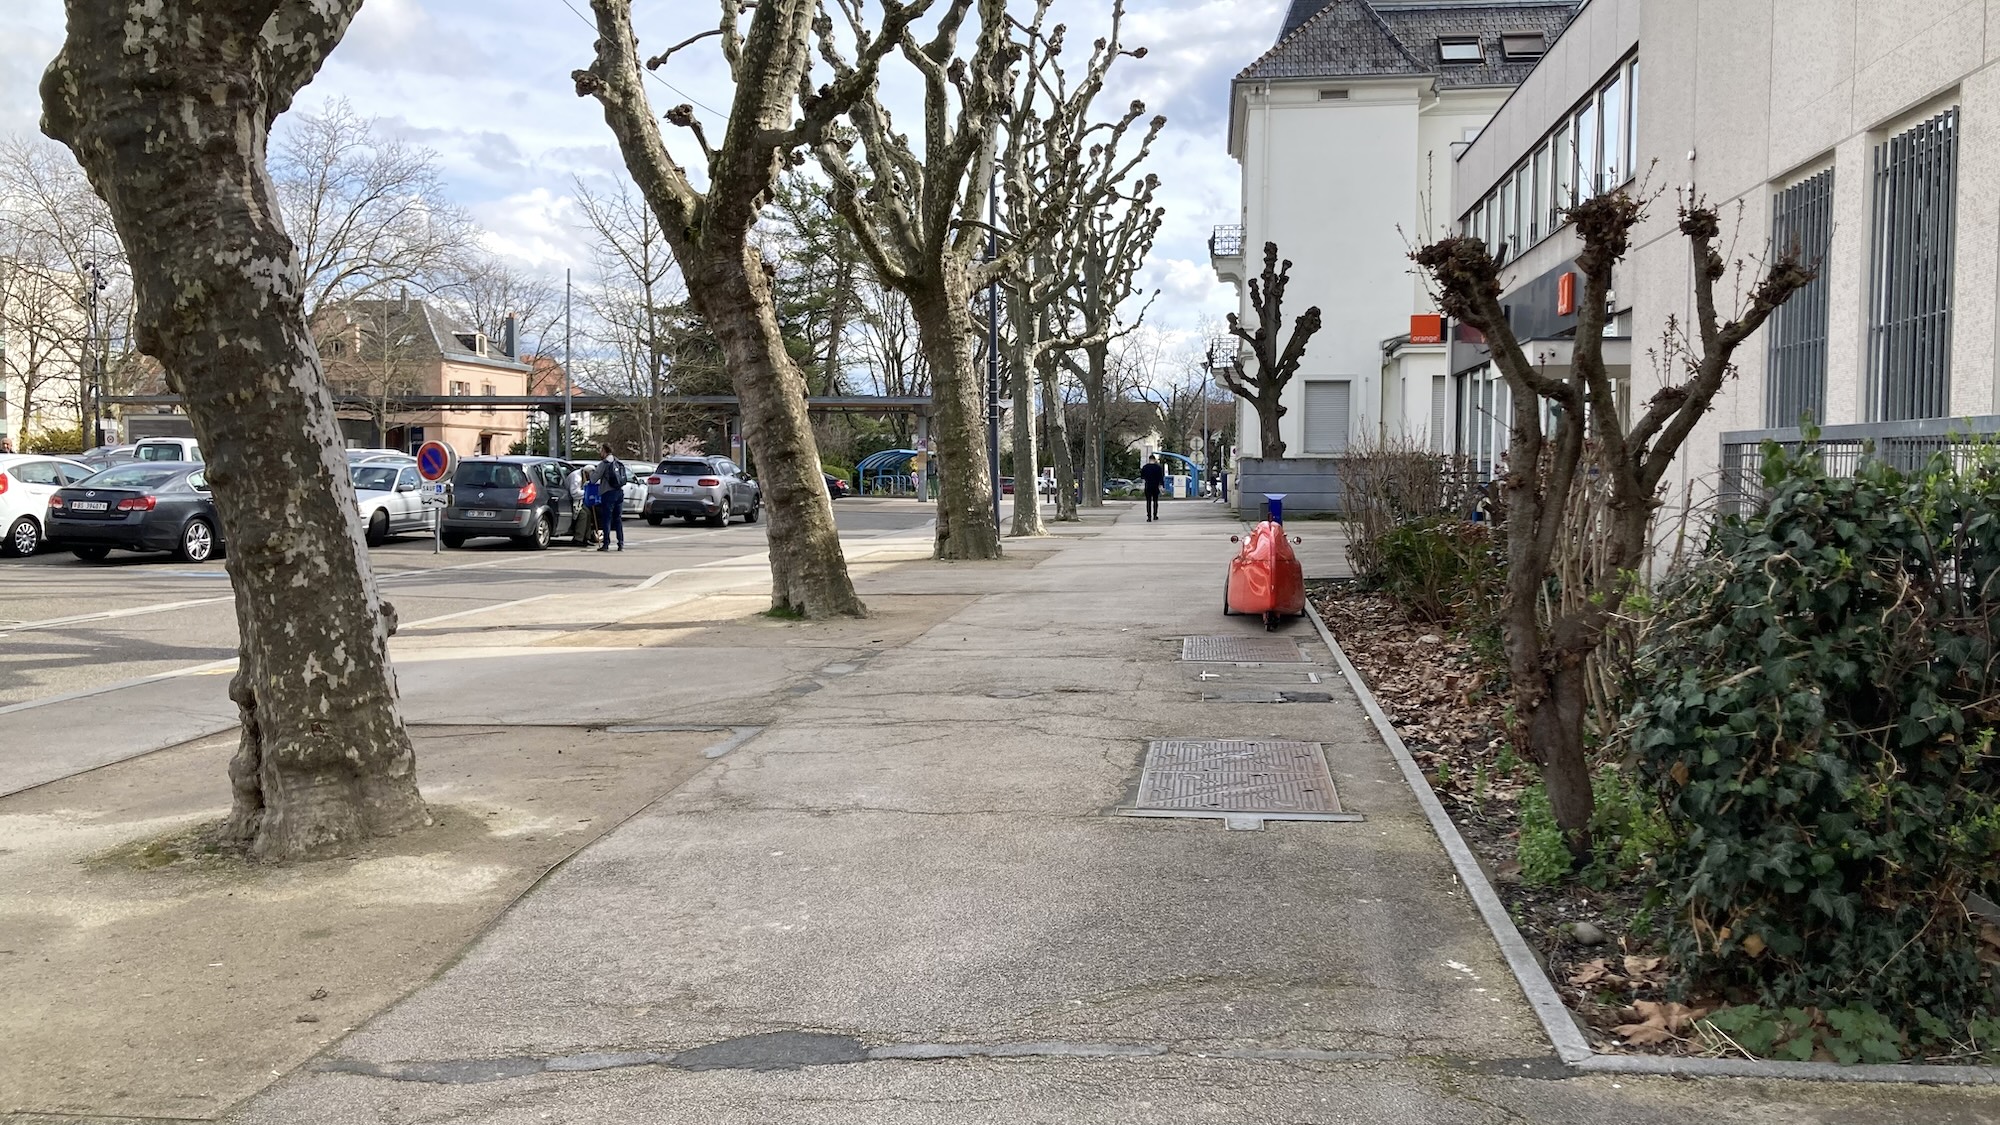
485, 84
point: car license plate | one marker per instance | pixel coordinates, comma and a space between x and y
89, 505
482, 515
681, 490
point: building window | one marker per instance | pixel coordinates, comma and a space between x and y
1524, 45
1333, 95
1538, 212
1909, 346
1585, 133
1562, 169
1611, 167
1467, 49
1327, 403
1440, 415
487, 390
1506, 232
1632, 120
1795, 376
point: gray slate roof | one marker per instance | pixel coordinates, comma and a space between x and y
1397, 38
419, 329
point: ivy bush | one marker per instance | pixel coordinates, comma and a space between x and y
1816, 713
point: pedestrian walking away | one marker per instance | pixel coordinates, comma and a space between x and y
1155, 476
611, 498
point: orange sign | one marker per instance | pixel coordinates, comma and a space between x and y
1566, 294
1426, 329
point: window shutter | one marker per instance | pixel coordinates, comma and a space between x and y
1326, 416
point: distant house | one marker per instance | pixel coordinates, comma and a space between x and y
1346, 131
377, 352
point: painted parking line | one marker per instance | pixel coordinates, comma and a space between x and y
109, 615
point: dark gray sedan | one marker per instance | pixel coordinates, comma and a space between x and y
142, 506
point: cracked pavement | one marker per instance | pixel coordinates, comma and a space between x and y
907, 901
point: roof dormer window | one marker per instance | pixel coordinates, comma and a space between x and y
1461, 49
1524, 45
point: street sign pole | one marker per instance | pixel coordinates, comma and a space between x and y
435, 461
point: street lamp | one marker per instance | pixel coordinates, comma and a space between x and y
94, 285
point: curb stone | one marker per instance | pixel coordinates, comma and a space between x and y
1557, 1021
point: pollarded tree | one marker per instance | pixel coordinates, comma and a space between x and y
168, 105
1053, 150
1548, 473
1276, 363
709, 230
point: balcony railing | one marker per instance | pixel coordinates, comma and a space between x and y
1226, 242
1841, 449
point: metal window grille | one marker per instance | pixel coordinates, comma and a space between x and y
1226, 242
1916, 197
1795, 377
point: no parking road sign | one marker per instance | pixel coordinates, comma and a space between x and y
435, 460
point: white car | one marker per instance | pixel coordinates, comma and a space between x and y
27, 480
167, 449
392, 499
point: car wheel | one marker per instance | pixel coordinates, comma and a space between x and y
655, 521
197, 541
544, 532
24, 538
756, 507
1226, 611
378, 528
90, 554
453, 540
721, 517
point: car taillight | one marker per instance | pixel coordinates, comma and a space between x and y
55, 502
527, 494
709, 482
652, 480
138, 504
3, 484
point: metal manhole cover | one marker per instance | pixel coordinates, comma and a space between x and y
1262, 677
1241, 781
1264, 695
1242, 650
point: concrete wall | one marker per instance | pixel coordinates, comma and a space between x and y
1312, 485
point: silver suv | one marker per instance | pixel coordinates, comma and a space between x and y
696, 488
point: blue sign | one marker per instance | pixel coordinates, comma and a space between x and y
434, 460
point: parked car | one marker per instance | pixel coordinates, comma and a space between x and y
361, 456
391, 497
525, 499
105, 456
835, 487
1006, 486
27, 480
167, 449
693, 488
144, 506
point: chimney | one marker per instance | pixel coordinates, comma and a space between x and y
510, 338
406, 300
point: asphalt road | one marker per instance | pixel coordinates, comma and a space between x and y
68, 625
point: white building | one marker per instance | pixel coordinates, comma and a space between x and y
1864, 134
1346, 131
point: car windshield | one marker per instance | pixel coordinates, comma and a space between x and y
133, 476
685, 469
489, 474
375, 478
158, 453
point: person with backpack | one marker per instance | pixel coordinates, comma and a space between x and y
1155, 476
611, 498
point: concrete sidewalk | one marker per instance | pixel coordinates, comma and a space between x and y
907, 900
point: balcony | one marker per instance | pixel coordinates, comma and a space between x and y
1225, 253
1905, 445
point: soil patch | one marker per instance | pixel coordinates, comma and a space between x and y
1449, 712
148, 977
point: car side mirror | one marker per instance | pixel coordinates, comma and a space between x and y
406, 487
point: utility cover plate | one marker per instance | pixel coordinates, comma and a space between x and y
1224, 777
1242, 650
1224, 676
1264, 695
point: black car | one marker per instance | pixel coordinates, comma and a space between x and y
835, 487
142, 506
525, 499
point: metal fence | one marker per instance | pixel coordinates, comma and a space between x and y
1841, 450
1226, 242
1909, 339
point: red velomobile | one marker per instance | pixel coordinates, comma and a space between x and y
1265, 578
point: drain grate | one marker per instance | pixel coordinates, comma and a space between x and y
1243, 782
1242, 650
1265, 695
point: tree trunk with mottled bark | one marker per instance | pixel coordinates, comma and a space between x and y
168, 106
1027, 466
1058, 435
709, 232
965, 528
1096, 413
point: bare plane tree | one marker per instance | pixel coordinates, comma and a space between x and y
710, 232
632, 302
1276, 363
1113, 243
1547, 660
168, 105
